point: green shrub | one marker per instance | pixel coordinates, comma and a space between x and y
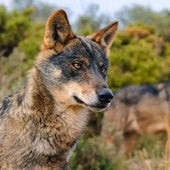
154, 145
31, 44
13, 28
135, 62
92, 155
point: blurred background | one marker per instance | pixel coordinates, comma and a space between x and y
140, 55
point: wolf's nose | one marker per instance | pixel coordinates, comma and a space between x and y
105, 95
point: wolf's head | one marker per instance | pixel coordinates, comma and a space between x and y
73, 68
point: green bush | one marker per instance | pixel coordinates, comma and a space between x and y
31, 44
154, 145
13, 28
92, 155
133, 60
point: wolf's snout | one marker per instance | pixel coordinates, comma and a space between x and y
105, 95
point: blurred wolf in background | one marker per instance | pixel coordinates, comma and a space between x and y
138, 110
41, 123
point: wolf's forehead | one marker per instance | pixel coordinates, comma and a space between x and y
81, 48
90, 45
92, 49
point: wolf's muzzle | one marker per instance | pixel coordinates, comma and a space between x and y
105, 95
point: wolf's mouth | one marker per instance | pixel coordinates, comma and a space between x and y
78, 100
99, 106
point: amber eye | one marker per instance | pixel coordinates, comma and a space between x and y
77, 65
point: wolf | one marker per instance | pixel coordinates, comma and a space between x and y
137, 110
41, 123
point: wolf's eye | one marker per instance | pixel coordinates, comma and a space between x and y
103, 70
77, 65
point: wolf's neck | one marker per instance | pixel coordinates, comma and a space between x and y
36, 95
65, 126
43, 102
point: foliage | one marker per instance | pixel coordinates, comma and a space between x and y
134, 59
92, 155
31, 45
154, 145
13, 28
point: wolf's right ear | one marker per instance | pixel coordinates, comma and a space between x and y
57, 31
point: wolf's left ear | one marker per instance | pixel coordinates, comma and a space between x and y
57, 31
105, 36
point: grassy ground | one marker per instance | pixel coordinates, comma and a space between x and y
91, 154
